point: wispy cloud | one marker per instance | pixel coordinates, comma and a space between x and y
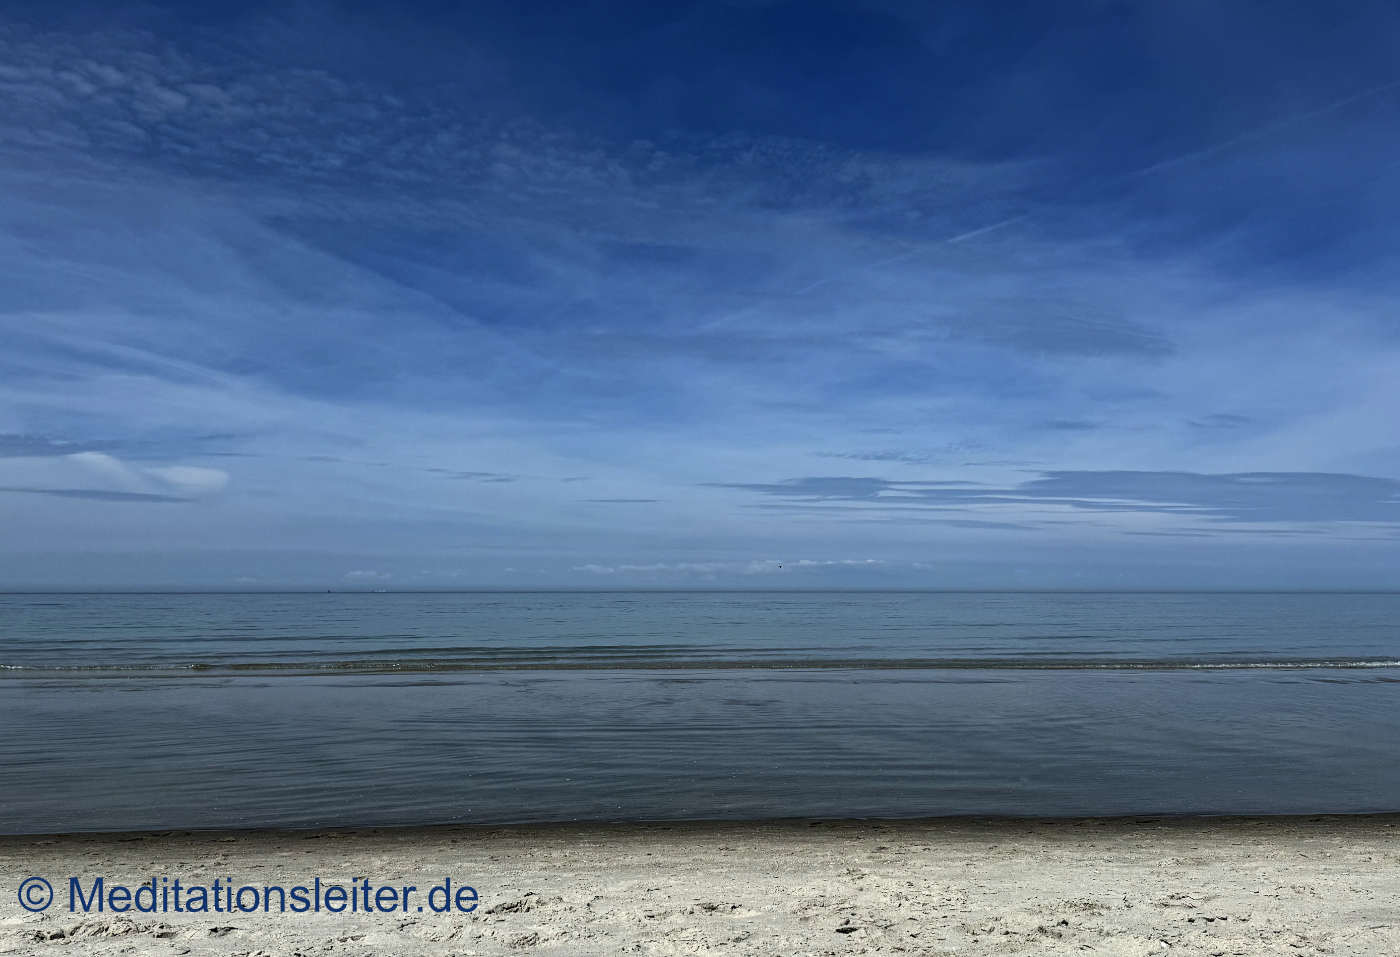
1221, 420
101, 477
758, 566
1310, 497
367, 575
96, 495
351, 321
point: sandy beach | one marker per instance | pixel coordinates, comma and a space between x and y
1123, 887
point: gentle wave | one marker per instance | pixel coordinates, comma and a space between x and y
629, 663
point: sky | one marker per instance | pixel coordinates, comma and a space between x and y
726, 294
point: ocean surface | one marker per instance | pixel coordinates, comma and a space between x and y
127, 711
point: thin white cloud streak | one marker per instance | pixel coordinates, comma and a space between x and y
913, 253
1251, 135
758, 566
100, 473
1267, 129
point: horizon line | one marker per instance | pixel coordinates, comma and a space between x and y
478, 590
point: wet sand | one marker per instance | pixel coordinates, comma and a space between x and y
1317, 885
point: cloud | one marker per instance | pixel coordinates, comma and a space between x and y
682, 568
595, 569
841, 562
367, 575
191, 479
1221, 420
99, 476
1069, 425
35, 446
474, 476
947, 453
1051, 328
1240, 497
842, 488
404, 314
757, 566
96, 495
1248, 497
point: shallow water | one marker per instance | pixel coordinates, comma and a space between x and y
163, 711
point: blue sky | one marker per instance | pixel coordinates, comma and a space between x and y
735, 293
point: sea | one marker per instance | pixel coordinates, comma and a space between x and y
310, 710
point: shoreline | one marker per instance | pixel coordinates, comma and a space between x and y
1183, 819
1133, 885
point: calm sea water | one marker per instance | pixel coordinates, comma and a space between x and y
299, 710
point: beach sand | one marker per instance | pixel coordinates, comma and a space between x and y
1321, 885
